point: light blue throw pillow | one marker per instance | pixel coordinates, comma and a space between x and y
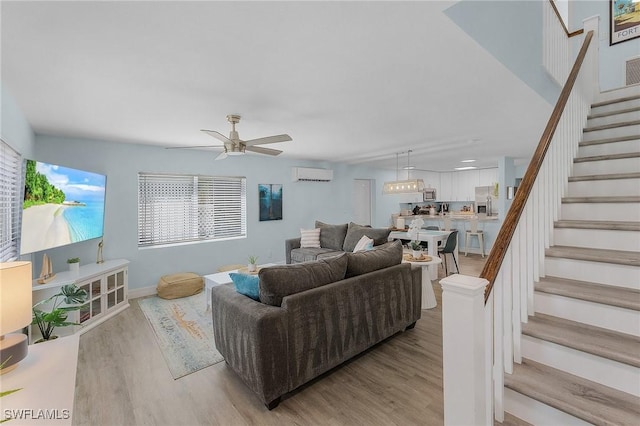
249, 285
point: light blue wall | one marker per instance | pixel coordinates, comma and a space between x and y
512, 32
612, 58
303, 203
14, 127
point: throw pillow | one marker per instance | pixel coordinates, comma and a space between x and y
249, 285
355, 232
364, 244
332, 236
279, 281
380, 257
310, 238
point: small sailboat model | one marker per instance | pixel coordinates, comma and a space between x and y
46, 273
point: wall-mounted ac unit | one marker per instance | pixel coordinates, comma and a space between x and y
306, 174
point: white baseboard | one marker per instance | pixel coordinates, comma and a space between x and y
142, 292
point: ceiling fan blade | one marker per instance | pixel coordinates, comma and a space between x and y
268, 139
194, 147
261, 150
217, 135
222, 156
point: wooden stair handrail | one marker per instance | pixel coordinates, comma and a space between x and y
499, 249
564, 27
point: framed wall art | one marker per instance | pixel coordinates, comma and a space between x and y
624, 20
270, 201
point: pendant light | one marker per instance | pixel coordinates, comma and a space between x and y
407, 186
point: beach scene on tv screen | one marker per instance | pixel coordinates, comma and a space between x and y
61, 206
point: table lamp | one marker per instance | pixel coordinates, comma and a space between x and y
15, 312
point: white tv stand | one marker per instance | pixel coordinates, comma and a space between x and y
108, 294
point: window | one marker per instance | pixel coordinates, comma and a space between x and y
184, 208
10, 204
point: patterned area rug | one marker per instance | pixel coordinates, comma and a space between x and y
184, 332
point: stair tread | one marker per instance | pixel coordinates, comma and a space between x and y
611, 126
606, 157
622, 297
620, 257
615, 101
606, 114
609, 225
624, 348
608, 176
609, 140
574, 395
607, 199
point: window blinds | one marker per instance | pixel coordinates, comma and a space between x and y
184, 208
10, 204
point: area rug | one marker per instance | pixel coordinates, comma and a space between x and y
184, 332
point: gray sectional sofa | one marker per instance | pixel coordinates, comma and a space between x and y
313, 316
334, 239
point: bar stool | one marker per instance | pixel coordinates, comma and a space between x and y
474, 231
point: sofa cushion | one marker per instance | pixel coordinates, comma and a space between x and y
355, 232
380, 257
310, 238
364, 244
307, 254
277, 282
246, 284
332, 236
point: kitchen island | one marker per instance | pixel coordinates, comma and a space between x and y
490, 225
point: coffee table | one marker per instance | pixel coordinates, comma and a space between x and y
221, 278
428, 296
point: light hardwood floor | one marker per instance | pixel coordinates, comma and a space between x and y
122, 379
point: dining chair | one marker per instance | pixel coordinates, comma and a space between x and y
432, 228
449, 248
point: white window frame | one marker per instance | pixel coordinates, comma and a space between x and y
176, 209
11, 190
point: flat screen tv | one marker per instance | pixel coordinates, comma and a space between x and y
61, 206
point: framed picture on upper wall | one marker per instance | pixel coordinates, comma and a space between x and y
270, 201
624, 22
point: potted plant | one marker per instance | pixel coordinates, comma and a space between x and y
252, 266
416, 249
70, 295
414, 229
74, 264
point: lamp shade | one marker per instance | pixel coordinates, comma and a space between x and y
403, 186
15, 296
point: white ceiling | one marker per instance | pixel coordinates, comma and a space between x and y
349, 81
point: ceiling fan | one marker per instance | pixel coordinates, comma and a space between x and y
233, 145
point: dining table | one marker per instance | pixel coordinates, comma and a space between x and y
431, 237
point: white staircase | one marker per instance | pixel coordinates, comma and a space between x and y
581, 349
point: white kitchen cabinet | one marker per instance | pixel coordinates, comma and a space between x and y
446, 187
488, 177
467, 181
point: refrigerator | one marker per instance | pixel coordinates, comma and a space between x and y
487, 200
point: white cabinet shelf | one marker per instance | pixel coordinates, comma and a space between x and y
106, 285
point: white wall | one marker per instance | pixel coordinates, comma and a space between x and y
14, 127
303, 202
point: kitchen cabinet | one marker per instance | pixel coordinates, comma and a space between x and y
446, 187
487, 177
466, 182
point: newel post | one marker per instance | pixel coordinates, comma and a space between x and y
466, 381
